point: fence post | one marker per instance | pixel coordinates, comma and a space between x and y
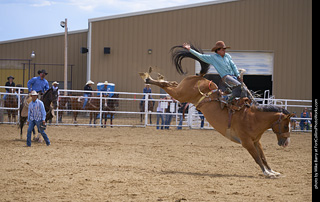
100, 109
18, 119
146, 102
57, 110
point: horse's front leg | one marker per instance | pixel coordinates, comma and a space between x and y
263, 158
90, 119
14, 117
250, 146
150, 119
95, 119
9, 116
75, 117
111, 115
105, 120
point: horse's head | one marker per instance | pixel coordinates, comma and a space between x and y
282, 129
116, 101
50, 96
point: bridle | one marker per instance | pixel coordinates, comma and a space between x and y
278, 122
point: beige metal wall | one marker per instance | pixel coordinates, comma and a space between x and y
281, 26
49, 50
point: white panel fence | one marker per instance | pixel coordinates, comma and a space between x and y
128, 113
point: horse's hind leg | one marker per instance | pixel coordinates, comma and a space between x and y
263, 158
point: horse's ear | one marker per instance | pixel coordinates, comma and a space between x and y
290, 115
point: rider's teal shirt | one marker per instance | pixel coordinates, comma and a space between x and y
223, 65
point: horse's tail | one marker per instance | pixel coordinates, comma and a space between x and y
179, 53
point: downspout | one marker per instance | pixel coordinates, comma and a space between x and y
89, 52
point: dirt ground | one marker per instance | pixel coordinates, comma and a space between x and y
145, 164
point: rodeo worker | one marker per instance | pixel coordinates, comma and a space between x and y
224, 65
36, 117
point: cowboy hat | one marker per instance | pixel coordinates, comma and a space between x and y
105, 83
10, 77
89, 82
55, 82
42, 71
219, 44
34, 92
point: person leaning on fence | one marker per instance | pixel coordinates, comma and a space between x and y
39, 84
9, 83
87, 87
36, 117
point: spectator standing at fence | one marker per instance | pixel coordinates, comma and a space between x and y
9, 83
304, 124
160, 111
36, 117
183, 109
169, 110
202, 119
39, 84
146, 89
87, 87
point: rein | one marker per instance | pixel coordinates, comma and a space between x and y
206, 95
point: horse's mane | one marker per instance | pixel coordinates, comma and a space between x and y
270, 108
179, 53
46, 93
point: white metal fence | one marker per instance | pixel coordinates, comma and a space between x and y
128, 112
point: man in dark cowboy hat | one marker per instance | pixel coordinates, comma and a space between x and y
224, 65
39, 84
9, 83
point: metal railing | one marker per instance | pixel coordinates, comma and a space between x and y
128, 113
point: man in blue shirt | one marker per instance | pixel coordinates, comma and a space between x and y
224, 65
39, 84
36, 117
146, 89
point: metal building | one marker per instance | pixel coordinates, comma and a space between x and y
120, 46
15, 58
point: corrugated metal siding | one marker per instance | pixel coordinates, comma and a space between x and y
50, 50
281, 26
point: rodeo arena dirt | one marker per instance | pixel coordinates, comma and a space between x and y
131, 160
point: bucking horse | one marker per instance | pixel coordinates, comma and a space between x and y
242, 122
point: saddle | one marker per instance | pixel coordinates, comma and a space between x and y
222, 94
26, 102
239, 102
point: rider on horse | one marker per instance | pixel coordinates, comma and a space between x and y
39, 84
224, 65
87, 87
